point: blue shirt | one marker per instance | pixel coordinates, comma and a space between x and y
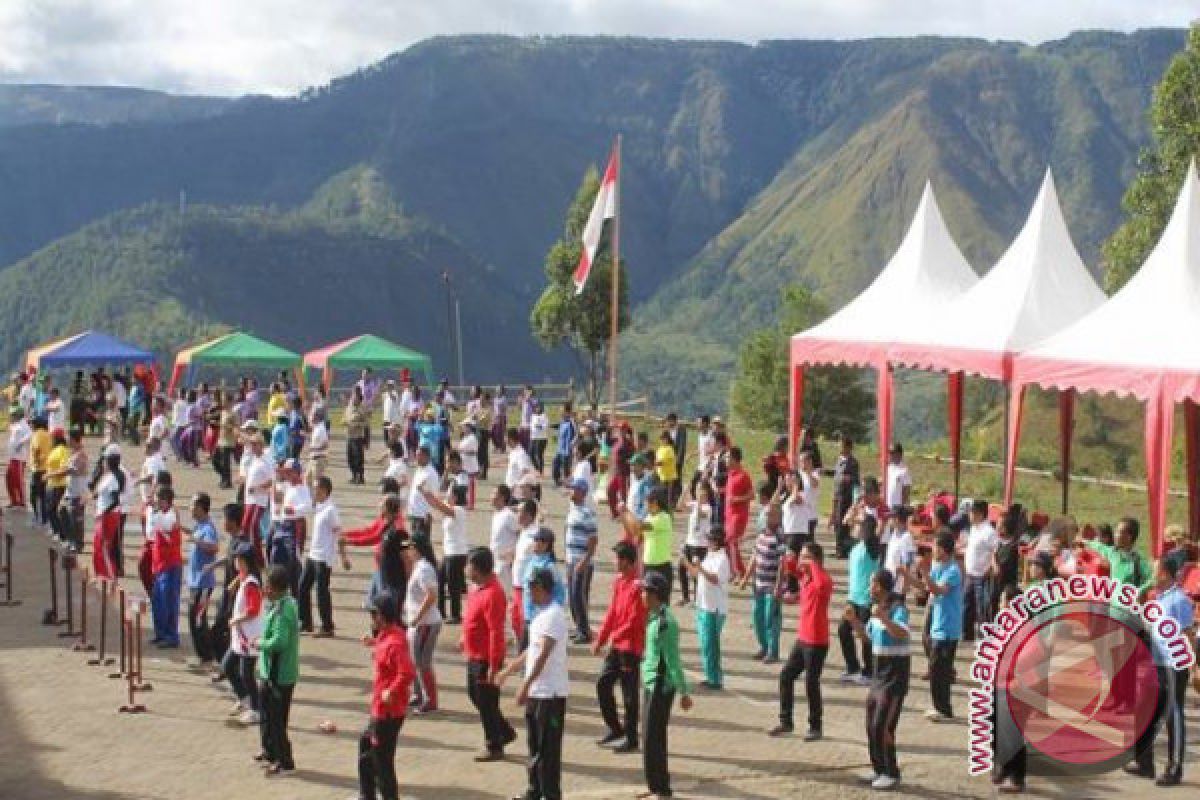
279, 443
639, 492
883, 643
541, 561
858, 575
947, 609
566, 437
198, 560
1178, 606
582, 528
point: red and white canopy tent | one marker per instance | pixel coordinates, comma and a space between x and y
925, 275
1038, 287
1141, 343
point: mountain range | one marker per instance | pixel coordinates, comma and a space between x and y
745, 168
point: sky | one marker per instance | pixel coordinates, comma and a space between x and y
284, 46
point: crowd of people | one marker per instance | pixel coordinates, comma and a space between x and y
520, 608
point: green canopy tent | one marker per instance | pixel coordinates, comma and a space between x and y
367, 351
234, 350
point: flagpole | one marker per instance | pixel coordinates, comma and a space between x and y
615, 282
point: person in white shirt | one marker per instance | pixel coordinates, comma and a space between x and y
545, 688
455, 546
19, 437
539, 434
158, 422
810, 485
257, 473
397, 464
467, 448
179, 422
795, 512
318, 447
978, 560
527, 519
695, 545
425, 478
582, 469
712, 575
391, 412
27, 396
324, 545
291, 503
898, 483
520, 472
56, 411
706, 448
423, 619
504, 533
152, 465
900, 552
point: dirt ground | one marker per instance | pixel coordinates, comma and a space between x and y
61, 735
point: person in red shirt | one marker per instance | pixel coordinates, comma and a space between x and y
483, 645
624, 627
394, 674
739, 493
812, 642
166, 564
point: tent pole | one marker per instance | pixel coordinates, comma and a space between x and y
1066, 427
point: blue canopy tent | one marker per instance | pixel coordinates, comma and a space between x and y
89, 349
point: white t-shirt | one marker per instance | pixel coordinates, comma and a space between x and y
19, 437
901, 551
518, 464
298, 499
468, 448
161, 523
539, 426
423, 579
981, 546
127, 494
423, 477
106, 493
897, 480
323, 541
714, 596
119, 391
179, 413
505, 530
318, 441
391, 408
56, 415
795, 515
158, 427
454, 533
259, 471
406, 403
699, 523
26, 398
522, 552
554, 681
705, 448
154, 464
397, 470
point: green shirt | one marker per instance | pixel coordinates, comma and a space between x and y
658, 540
662, 647
1125, 566
280, 643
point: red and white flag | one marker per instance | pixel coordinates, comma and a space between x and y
605, 208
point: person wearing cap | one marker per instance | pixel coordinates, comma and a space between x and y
897, 479
900, 551
166, 567
19, 437
642, 482
739, 494
542, 558
278, 670
357, 429
200, 578
40, 445
623, 631
944, 583
258, 478
325, 544
545, 688
582, 536
455, 548
712, 575
483, 645
662, 679
393, 679
56, 483
978, 564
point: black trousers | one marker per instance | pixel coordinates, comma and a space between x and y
484, 445
486, 698
452, 584
239, 671
377, 759
54, 515
808, 660
624, 668
316, 573
656, 718
941, 673
686, 583
884, 703
848, 641
273, 722
1174, 683
545, 719
538, 454
37, 497
356, 458
198, 624
223, 464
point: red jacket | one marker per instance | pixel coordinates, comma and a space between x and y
625, 621
483, 624
393, 670
816, 590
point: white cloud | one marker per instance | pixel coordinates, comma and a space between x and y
281, 46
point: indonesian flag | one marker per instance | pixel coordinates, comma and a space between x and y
605, 208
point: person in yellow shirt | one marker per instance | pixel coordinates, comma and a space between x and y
39, 448
277, 404
667, 469
57, 462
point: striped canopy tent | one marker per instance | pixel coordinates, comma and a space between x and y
234, 350
90, 350
367, 351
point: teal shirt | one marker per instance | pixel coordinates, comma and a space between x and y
662, 645
1125, 566
858, 575
280, 643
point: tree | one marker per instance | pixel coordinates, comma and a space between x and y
835, 398
582, 322
1175, 125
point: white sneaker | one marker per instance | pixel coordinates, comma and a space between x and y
236, 709
249, 718
868, 778
885, 783
848, 677
862, 680
935, 716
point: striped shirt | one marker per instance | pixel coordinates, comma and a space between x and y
581, 528
768, 553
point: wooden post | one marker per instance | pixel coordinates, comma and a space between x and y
8, 572
122, 635
102, 660
82, 646
68, 564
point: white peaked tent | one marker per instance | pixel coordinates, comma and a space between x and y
926, 274
1037, 288
1142, 342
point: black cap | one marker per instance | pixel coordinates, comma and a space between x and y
657, 585
901, 512
386, 606
542, 579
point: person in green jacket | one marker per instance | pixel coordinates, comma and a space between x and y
278, 669
662, 678
1125, 565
